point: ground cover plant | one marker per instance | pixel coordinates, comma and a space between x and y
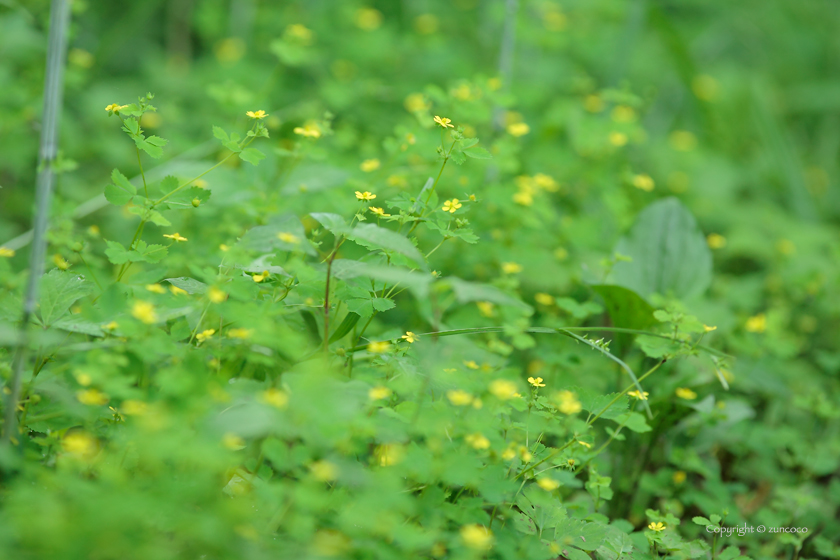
471, 279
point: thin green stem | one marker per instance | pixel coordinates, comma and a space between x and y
142, 175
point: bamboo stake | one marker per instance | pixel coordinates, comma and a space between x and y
53, 92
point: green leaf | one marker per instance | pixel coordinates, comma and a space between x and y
117, 253
267, 238
252, 156
458, 157
669, 253
633, 421
219, 133
168, 184
478, 152
150, 253
189, 285
157, 218
627, 310
121, 191
595, 403
333, 222
383, 304
345, 327
151, 145
59, 290
417, 282
375, 237
473, 291
702, 521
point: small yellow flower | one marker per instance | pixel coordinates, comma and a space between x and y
215, 295
617, 139
679, 477
134, 408
756, 323
623, 114
365, 195
204, 335
544, 299
368, 19
643, 182
309, 130
79, 443
92, 397
477, 537
144, 311
584, 444
260, 277
114, 108
370, 165
477, 441
379, 393
524, 454
224, 248
471, 364
324, 471
523, 198
473, 198
707, 328
410, 337
716, 241
643, 396
6, 252
682, 140
274, 397
657, 527
685, 393
511, 268
239, 333
416, 102
444, 122
233, 441
451, 205
546, 182
509, 454
110, 326
503, 389
536, 381
379, 347
389, 455
378, 211
486, 308
156, 288
176, 291
548, 484
257, 115
518, 129
288, 238
459, 397
567, 402
176, 236
61, 262
570, 463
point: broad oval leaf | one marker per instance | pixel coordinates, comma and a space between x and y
375, 237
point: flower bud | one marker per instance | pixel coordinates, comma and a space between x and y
196, 202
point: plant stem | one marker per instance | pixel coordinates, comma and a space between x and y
142, 175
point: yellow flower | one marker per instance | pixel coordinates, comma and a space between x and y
494, 84
260, 277
368, 19
477, 537
682, 140
643, 182
511, 268
379, 393
471, 364
370, 165
310, 130
756, 323
707, 328
545, 182
536, 381
274, 397
716, 241
216, 295
518, 129
113, 107
444, 122
176, 236
80, 443
685, 393
389, 454
477, 441
641, 396
288, 238
509, 454
548, 484
176, 291
544, 299
593, 103
451, 205
705, 87
233, 441
523, 198
110, 326
524, 454
92, 397
657, 526
570, 463
416, 102
224, 248
257, 115
567, 402
6, 252
623, 114
617, 138
324, 471
486, 308
379, 347
679, 477
365, 195
410, 337
503, 389
239, 333
378, 211
459, 397
60, 262
204, 335
156, 288
585, 444
144, 311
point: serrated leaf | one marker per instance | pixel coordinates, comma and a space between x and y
121, 191
117, 253
150, 253
361, 307
383, 304
271, 237
594, 403
333, 222
417, 282
473, 291
458, 157
157, 218
633, 421
219, 133
189, 285
233, 146
145, 144
375, 237
59, 290
252, 156
168, 184
478, 152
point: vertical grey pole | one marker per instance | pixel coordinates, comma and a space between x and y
53, 92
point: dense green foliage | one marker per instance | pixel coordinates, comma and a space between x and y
356, 289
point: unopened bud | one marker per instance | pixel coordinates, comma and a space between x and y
196, 202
